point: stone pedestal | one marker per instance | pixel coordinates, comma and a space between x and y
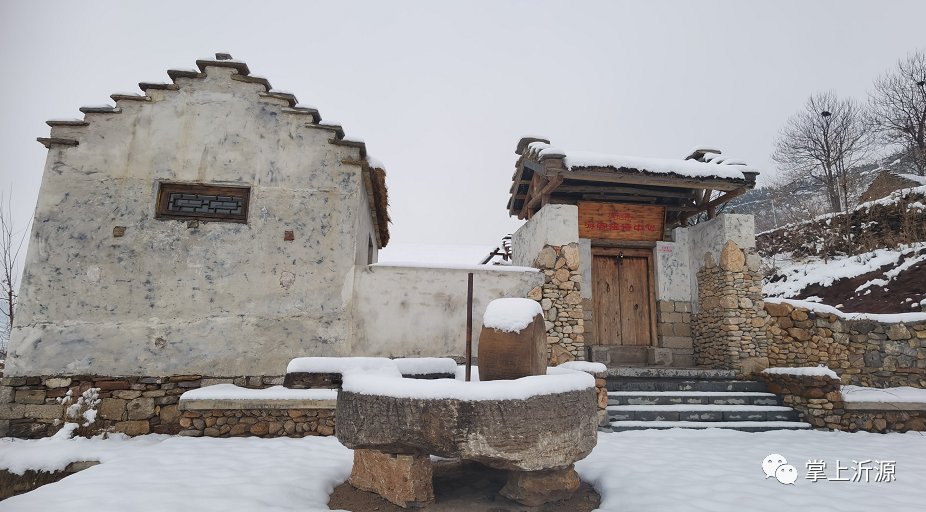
405, 480
533, 488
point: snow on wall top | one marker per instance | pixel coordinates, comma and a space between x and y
821, 371
888, 318
233, 392
718, 167
378, 365
511, 315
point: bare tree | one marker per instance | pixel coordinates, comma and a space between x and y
898, 107
11, 244
823, 141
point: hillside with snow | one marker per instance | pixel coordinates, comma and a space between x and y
869, 260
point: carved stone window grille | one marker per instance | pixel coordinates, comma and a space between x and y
203, 202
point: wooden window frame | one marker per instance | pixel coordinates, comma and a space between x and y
165, 189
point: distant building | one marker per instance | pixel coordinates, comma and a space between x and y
890, 181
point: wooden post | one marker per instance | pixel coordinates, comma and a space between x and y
469, 325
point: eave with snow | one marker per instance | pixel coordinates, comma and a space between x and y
702, 182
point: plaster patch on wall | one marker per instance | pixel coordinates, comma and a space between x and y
673, 275
287, 279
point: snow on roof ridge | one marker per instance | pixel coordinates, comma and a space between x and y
687, 168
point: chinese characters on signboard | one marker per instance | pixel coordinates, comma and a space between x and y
611, 221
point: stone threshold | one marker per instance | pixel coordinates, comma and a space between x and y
671, 373
255, 404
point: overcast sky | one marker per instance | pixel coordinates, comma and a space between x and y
441, 92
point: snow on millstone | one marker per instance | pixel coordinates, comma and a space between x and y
511, 315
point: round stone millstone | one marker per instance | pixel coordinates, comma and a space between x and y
542, 432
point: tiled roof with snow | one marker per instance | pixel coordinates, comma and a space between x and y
714, 165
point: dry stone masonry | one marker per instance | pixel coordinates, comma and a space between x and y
32, 407
729, 329
820, 402
561, 302
862, 352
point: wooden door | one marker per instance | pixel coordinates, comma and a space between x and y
623, 296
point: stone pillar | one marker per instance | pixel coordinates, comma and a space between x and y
729, 327
561, 302
549, 241
406, 480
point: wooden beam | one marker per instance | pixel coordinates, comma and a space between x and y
669, 181
712, 206
547, 189
638, 199
592, 189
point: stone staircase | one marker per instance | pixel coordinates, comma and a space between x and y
660, 398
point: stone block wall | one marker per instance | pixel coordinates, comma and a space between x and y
861, 352
30, 407
561, 301
819, 401
729, 328
673, 324
258, 422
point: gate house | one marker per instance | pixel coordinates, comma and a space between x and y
635, 295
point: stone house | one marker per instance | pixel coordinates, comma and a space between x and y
628, 280
889, 181
209, 230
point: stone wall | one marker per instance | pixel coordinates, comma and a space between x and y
259, 422
819, 401
32, 407
862, 352
560, 298
729, 326
673, 323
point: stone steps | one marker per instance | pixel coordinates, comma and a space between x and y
743, 426
691, 397
642, 398
697, 412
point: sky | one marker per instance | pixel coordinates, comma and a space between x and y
441, 92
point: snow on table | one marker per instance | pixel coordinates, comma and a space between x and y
584, 366
511, 315
425, 365
648, 470
804, 371
233, 392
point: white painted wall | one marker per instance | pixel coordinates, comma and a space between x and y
709, 238
420, 311
554, 224
672, 265
221, 299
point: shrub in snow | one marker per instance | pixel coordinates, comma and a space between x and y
80, 413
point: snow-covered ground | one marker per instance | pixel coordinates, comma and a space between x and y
692, 470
